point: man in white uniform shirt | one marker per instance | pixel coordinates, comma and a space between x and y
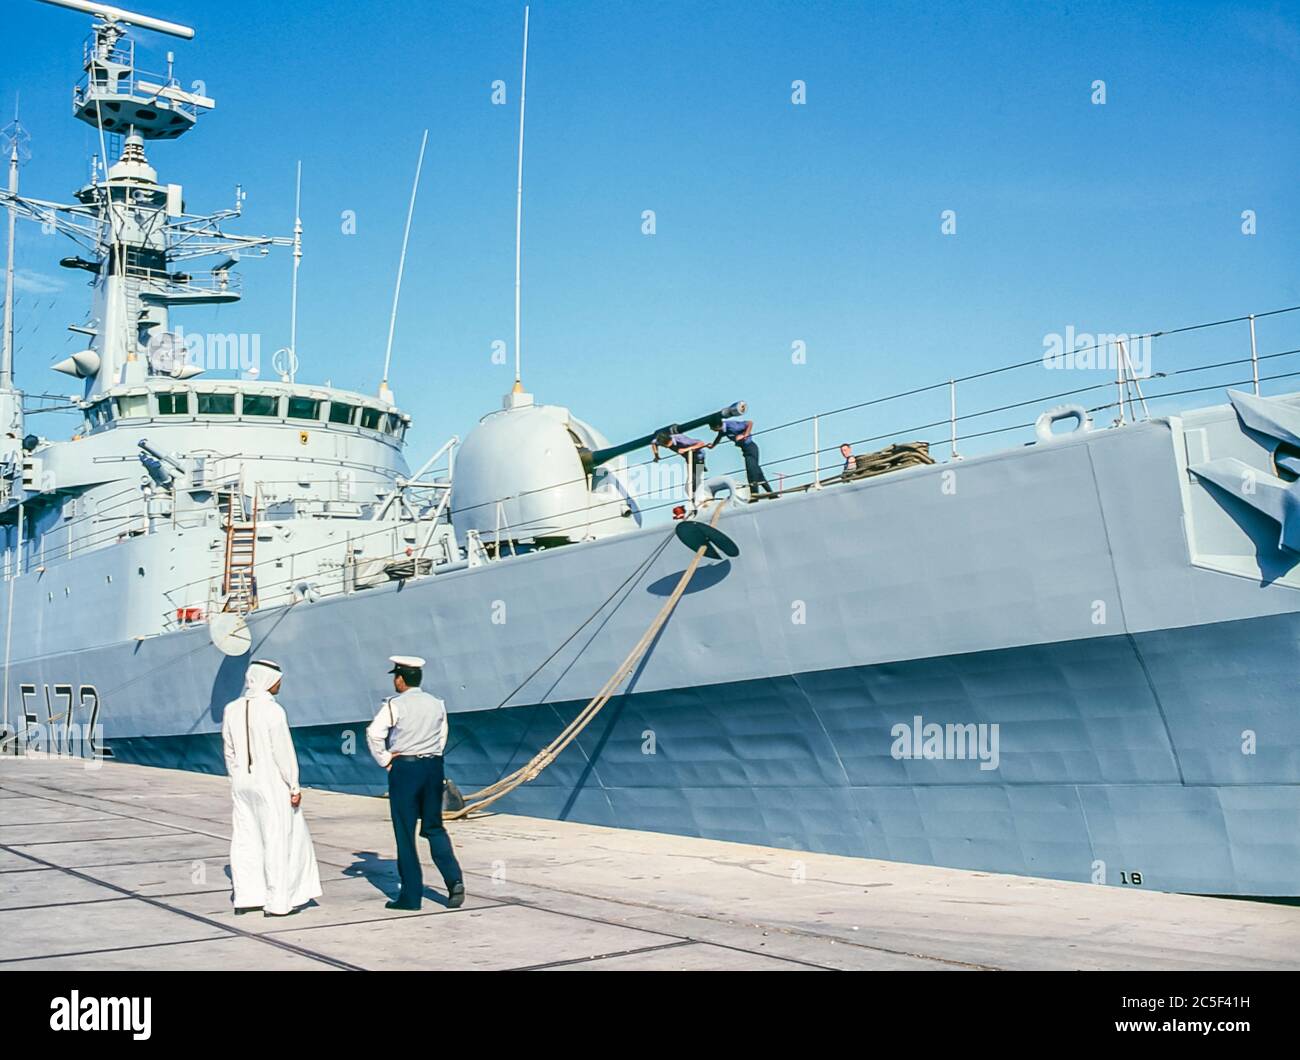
408, 737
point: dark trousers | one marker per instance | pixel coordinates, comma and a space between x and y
753, 471
415, 794
696, 463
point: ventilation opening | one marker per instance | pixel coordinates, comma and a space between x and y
1286, 461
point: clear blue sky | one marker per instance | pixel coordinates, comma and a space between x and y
775, 222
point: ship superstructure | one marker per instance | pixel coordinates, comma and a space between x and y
226, 477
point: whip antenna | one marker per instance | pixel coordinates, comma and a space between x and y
519, 197
13, 144
384, 391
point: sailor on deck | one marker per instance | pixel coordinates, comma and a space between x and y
689, 449
407, 738
740, 430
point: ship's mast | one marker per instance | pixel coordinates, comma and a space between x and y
135, 228
16, 137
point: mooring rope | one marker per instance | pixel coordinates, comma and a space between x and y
548, 754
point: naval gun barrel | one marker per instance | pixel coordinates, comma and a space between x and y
713, 419
160, 456
156, 463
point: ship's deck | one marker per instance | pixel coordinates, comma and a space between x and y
124, 867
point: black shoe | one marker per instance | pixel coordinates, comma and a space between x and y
455, 896
291, 912
241, 910
395, 904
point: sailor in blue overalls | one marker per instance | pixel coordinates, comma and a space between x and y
739, 430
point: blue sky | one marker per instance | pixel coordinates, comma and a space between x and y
775, 223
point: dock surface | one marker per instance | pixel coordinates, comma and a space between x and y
126, 867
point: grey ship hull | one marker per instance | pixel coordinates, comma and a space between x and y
1088, 597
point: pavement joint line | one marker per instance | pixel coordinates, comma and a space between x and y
229, 928
55, 905
682, 939
98, 839
616, 901
181, 829
101, 865
384, 919
793, 932
166, 824
568, 961
114, 949
129, 816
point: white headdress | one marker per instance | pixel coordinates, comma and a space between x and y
261, 677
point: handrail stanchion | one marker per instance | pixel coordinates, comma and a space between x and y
1119, 387
952, 417
1254, 355
817, 447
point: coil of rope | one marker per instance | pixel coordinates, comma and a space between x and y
548, 754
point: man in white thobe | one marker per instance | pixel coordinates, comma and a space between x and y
272, 863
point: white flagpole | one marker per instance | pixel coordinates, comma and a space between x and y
519, 197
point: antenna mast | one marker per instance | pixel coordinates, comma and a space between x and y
15, 137
519, 199
292, 366
384, 392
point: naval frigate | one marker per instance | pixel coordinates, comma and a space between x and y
1073, 656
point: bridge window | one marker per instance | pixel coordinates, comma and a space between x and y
174, 404
340, 413
370, 419
133, 405
261, 404
216, 404
301, 408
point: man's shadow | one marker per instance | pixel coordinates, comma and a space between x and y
381, 873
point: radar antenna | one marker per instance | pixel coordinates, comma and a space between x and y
115, 17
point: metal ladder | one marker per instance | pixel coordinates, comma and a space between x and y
238, 585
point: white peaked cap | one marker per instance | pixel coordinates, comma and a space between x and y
409, 662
